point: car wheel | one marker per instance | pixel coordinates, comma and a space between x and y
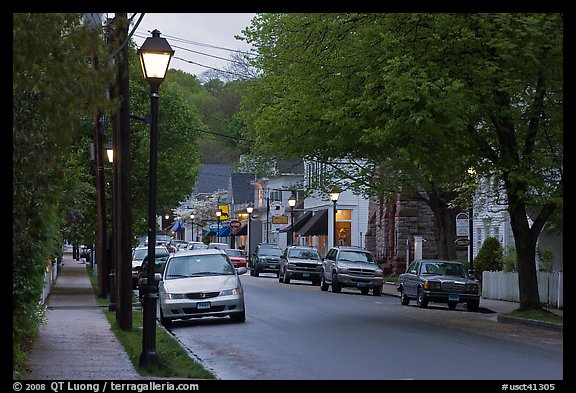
166, 322
256, 272
364, 291
405, 300
377, 291
421, 300
323, 284
336, 288
473, 305
452, 305
238, 317
286, 278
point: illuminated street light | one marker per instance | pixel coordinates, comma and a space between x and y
155, 54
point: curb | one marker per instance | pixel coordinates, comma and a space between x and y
513, 320
532, 322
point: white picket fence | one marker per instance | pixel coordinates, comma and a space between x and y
504, 286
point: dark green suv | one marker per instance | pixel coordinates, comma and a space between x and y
265, 259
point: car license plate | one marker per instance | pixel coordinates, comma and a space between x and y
360, 284
202, 305
306, 275
272, 266
453, 297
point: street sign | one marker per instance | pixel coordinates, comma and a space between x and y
224, 209
462, 225
276, 208
462, 242
280, 220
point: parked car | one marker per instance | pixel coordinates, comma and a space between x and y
196, 246
201, 283
438, 281
138, 255
178, 244
352, 267
265, 259
143, 273
236, 256
86, 253
218, 246
300, 263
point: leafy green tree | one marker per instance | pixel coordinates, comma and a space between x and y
54, 90
422, 98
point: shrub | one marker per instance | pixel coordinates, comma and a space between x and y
489, 258
509, 260
546, 256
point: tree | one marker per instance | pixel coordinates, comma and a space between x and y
54, 91
422, 98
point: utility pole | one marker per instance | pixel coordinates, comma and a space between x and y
122, 190
94, 20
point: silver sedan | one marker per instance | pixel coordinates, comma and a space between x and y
201, 283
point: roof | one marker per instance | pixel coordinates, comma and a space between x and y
241, 189
212, 177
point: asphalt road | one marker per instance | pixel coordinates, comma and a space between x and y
297, 332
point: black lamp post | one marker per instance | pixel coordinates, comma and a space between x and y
218, 214
192, 219
155, 54
292, 203
334, 195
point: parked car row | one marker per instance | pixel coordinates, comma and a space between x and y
426, 280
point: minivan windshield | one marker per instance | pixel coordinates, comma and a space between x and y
198, 266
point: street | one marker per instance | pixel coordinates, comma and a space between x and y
297, 332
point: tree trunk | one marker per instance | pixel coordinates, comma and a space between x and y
526, 258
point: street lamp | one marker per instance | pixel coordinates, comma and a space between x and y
110, 152
334, 195
218, 214
249, 210
292, 203
155, 54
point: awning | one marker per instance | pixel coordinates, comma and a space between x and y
299, 223
317, 225
224, 231
177, 226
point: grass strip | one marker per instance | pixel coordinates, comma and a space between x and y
173, 360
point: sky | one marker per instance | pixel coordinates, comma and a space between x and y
192, 36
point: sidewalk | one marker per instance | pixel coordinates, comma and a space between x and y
76, 341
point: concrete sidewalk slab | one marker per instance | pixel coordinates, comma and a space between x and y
76, 341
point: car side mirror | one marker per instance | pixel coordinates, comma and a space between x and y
241, 270
157, 277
